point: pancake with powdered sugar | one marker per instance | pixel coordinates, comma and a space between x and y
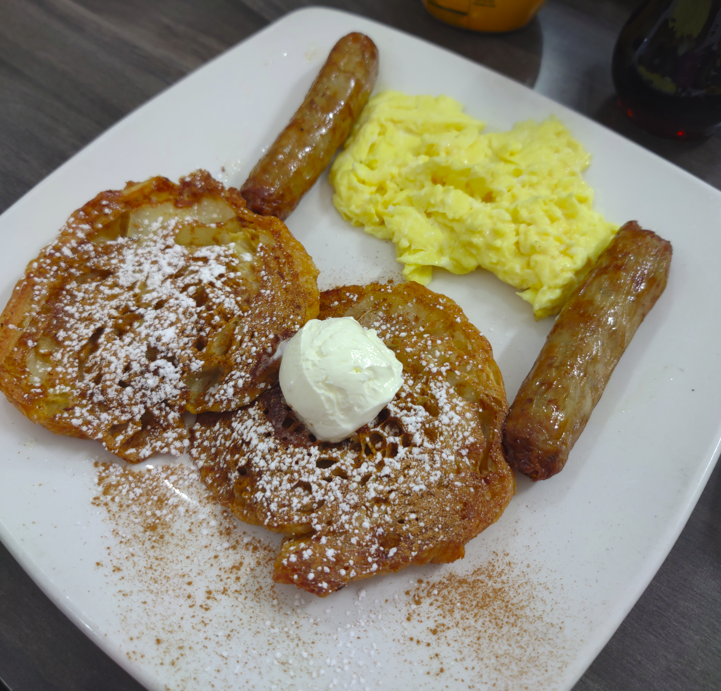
412, 487
155, 300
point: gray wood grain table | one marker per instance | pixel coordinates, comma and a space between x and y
69, 69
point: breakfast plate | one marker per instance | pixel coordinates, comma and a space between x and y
179, 593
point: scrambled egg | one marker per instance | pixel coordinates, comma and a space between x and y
417, 170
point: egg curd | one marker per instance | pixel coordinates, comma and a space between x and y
418, 171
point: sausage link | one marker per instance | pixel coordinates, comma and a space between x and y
322, 123
591, 333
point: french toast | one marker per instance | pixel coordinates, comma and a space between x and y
411, 487
155, 300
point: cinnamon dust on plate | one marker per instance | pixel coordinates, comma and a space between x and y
197, 607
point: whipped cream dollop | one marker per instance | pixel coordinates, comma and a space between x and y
337, 376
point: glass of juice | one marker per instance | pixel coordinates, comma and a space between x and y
485, 15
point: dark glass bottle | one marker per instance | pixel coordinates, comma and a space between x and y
667, 67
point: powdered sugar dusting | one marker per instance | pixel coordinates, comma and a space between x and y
413, 486
155, 300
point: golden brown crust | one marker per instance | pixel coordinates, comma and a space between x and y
412, 487
154, 300
591, 333
324, 120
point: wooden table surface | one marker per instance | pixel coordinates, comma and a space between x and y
70, 69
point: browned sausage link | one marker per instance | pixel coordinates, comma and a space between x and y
322, 123
590, 335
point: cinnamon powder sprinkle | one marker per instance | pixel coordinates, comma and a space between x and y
197, 607
501, 619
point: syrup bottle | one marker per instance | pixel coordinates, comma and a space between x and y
667, 67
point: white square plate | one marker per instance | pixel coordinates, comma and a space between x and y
540, 592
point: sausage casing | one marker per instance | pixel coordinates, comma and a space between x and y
591, 333
306, 146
